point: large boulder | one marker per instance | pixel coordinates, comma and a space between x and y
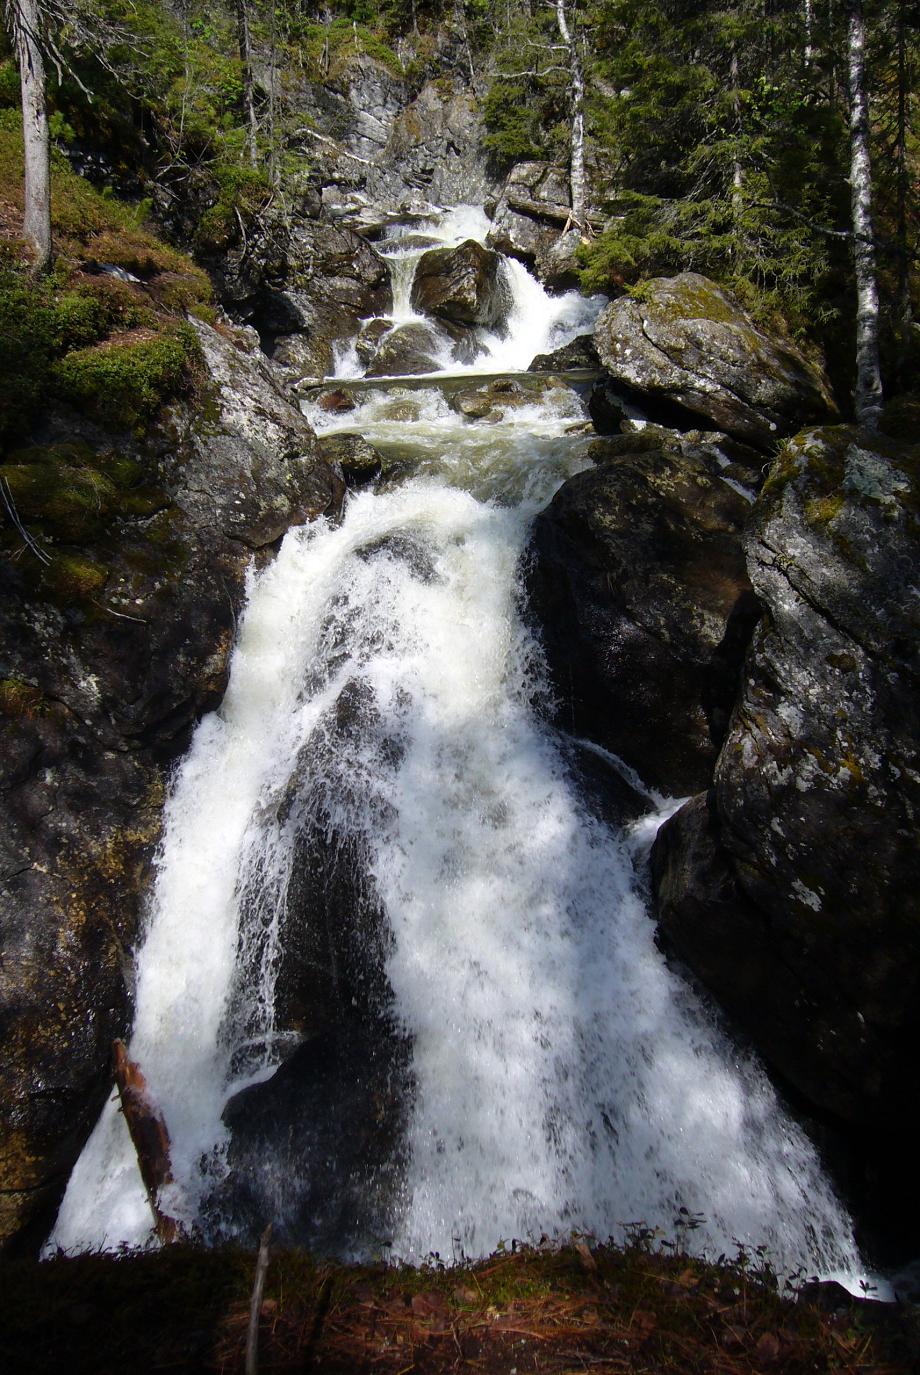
108, 656
332, 280
463, 285
408, 350
795, 894
638, 582
687, 341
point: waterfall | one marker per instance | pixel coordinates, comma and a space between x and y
537, 322
516, 1057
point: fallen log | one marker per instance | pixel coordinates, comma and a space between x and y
149, 1136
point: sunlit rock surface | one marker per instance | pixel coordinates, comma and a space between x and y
687, 341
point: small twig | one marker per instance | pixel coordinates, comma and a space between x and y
122, 616
14, 517
341, 152
255, 1305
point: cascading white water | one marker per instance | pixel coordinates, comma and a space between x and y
562, 1077
537, 322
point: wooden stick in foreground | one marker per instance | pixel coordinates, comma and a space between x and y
255, 1304
149, 1135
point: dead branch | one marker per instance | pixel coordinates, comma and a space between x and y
255, 1303
149, 1135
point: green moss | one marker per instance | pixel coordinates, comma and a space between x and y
76, 501
19, 700
822, 510
696, 300
124, 383
239, 190
72, 577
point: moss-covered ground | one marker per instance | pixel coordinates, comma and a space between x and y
602, 1309
105, 331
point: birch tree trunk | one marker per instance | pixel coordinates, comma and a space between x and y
577, 156
24, 18
903, 305
737, 170
252, 125
868, 398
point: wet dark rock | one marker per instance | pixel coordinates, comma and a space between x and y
333, 278
358, 460
615, 408
109, 656
320, 1147
577, 354
490, 401
639, 586
603, 784
369, 337
687, 341
406, 351
464, 285
794, 896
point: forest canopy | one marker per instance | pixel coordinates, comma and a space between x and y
716, 137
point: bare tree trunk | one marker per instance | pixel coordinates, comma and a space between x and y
577, 155
737, 170
868, 398
24, 18
809, 17
463, 30
249, 106
272, 149
903, 304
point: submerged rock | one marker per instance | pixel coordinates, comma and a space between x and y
110, 653
795, 894
639, 586
687, 341
369, 337
463, 285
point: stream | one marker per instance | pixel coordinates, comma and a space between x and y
399, 992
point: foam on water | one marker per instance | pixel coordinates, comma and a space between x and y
565, 1078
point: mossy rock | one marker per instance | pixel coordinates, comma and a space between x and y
124, 382
21, 700
74, 577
